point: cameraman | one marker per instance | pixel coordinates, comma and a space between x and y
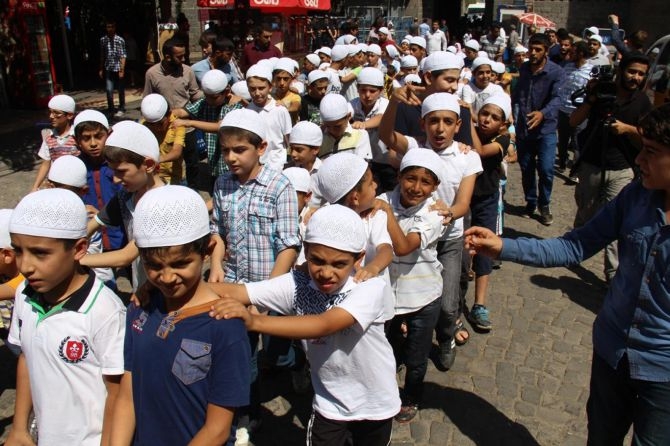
610, 142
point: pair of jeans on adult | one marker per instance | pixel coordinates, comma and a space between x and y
414, 349
537, 155
449, 254
112, 78
616, 401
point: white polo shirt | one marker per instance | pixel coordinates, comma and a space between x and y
279, 125
68, 348
379, 150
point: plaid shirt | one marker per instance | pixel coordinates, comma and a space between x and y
257, 220
112, 51
202, 111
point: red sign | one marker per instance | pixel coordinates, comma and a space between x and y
225, 4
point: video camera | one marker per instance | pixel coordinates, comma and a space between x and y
602, 87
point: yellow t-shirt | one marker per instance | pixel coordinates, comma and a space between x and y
286, 102
172, 172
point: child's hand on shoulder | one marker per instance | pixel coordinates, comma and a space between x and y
229, 308
360, 125
365, 273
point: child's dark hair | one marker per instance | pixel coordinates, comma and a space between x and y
199, 246
237, 132
116, 155
430, 172
655, 125
357, 188
88, 126
207, 38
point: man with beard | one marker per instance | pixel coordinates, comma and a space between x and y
260, 48
564, 54
612, 143
220, 58
176, 82
537, 97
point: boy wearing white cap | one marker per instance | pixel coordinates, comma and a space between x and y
68, 326
338, 134
185, 373
91, 129
69, 172
59, 140
282, 76
305, 140
276, 118
317, 87
415, 275
133, 154
440, 120
352, 366
9, 274
170, 136
206, 114
475, 93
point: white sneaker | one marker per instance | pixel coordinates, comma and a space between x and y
242, 436
120, 114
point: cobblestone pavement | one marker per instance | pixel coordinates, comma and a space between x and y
525, 383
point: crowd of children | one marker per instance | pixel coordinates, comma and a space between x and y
356, 248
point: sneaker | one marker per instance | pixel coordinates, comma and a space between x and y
447, 354
529, 212
546, 218
241, 436
573, 179
479, 317
407, 413
119, 114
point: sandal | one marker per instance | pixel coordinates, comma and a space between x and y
463, 332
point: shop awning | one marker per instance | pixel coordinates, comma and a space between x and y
271, 5
224, 4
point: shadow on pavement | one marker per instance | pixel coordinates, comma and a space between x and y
582, 292
476, 418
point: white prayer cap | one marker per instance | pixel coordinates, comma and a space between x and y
260, 71
316, 75
69, 171
418, 40
409, 62
5, 216
498, 67
338, 175
91, 116
307, 133
214, 82
472, 44
267, 63
597, 38
298, 86
241, 89
313, 59
371, 76
440, 101
483, 54
392, 51
170, 216
593, 30
452, 49
396, 65
425, 158
285, 64
154, 107
363, 47
336, 227
353, 49
349, 39
407, 37
324, 65
479, 61
333, 107
339, 52
62, 102
324, 50
412, 79
442, 60
130, 135
520, 49
375, 49
405, 40
383, 30
53, 213
299, 178
245, 119
273, 61
501, 100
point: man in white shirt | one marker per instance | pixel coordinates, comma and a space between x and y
436, 40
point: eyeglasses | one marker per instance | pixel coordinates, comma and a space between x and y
56, 114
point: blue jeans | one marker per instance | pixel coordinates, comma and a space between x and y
111, 78
413, 351
537, 154
449, 253
484, 210
616, 401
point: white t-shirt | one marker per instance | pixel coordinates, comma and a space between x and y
379, 150
279, 125
67, 351
416, 278
376, 228
476, 96
458, 165
353, 371
350, 88
335, 85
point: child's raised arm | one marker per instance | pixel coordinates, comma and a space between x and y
112, 259
394, 140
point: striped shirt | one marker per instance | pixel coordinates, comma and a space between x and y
54, 146
257, 220
112, 51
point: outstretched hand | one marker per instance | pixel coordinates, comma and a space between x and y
483, 241
229, 308
408, 94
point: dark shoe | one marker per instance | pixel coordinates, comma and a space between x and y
529, 212
407, 413
479, 317
560, 168
546, 218
496, 263
447, 354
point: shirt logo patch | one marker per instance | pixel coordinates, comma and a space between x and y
138, 323
72, 351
